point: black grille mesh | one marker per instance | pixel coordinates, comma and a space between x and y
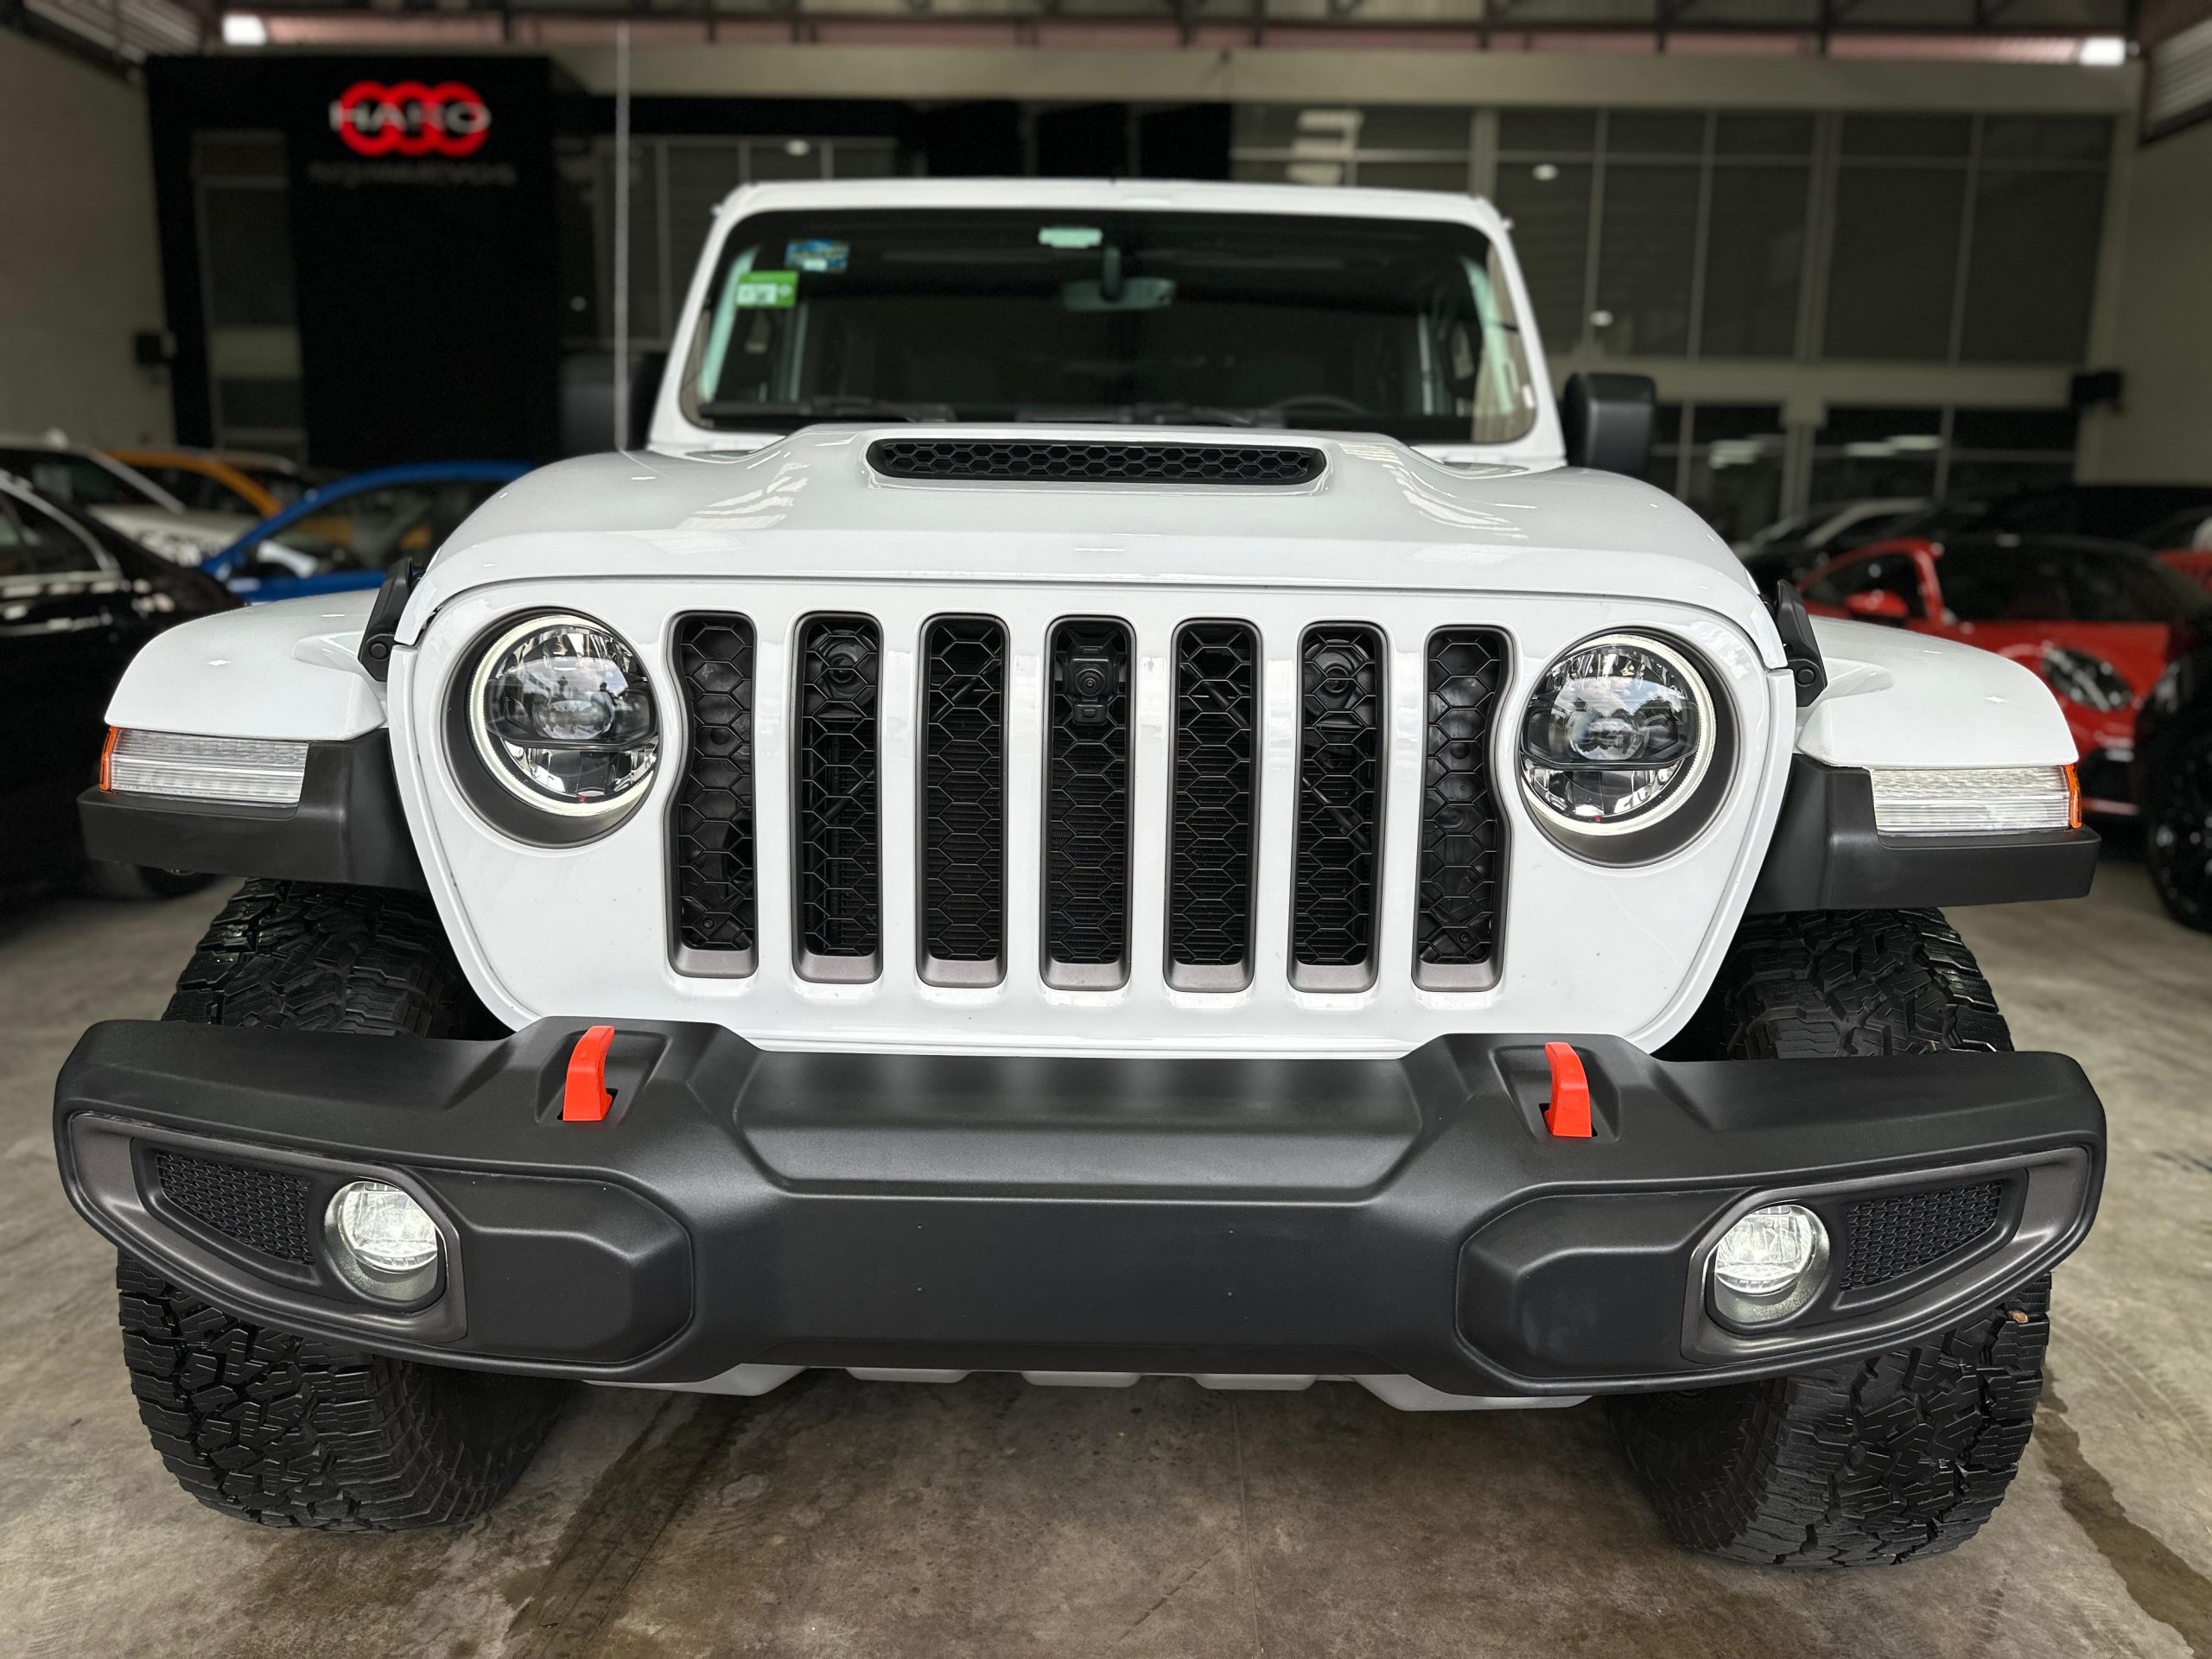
1214, 805
963, 790
836, 848
1087, 795
1340, 796
264, 1210
1893, 1237
1065, 463
1461, 846
711, 829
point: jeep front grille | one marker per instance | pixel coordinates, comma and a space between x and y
1046, 811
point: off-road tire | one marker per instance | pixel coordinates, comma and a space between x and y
1880, 1460
286, 1430
2176, 774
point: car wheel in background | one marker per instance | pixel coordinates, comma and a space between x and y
2176, 797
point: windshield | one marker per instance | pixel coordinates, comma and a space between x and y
2062, 584
1365, 325
79, 479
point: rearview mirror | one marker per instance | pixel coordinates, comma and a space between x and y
1607, 420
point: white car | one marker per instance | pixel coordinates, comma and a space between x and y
120, 496
1024, 889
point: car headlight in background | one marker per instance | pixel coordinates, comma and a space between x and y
561, 712
178, 546
2090, 681
1618, 734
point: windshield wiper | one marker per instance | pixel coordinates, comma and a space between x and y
832, 408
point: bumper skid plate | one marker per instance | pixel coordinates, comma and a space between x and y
740, 1206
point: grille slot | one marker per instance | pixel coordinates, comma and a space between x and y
1213, 806
1895, 1235
1087, 806
710, 831
1340, 730
264, 1210
1462, 832
963, 801
1061, 462
836, 840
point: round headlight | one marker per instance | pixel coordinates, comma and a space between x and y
562, 716
1619, 734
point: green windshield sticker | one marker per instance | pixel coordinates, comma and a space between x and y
766, 290
1070, 236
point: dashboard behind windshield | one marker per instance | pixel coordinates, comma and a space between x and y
1369, 324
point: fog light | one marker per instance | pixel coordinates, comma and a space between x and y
382, 1242
1770, 1264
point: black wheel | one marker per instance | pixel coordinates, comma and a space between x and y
2176, 802
286, 1430
112, 881
1875, 1461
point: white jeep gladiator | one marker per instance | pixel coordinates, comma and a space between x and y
1101, 862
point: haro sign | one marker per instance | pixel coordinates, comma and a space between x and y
411, 119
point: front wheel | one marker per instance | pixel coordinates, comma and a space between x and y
1878, 1460
286, 1430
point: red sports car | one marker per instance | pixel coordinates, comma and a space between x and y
2098, 621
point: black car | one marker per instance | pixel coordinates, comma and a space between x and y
2173, 785
77, 600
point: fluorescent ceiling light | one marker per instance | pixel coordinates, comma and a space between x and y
2103, 52
244, 29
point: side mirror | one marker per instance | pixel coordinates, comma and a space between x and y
1877, 605
1607, 419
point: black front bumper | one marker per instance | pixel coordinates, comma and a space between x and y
1331, 1216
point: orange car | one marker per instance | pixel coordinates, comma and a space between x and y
223, 480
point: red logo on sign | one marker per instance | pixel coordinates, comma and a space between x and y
411, 119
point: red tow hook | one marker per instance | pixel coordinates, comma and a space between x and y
1567, 1113
585, 1099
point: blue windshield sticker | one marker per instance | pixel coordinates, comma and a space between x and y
1070, 236
766, 290
817, 255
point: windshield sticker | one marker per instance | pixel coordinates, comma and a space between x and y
817, 255
1070, 236
766, 290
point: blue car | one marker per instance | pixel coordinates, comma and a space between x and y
343, 535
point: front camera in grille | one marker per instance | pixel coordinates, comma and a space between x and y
1340, 762
1213, 807
1063, 461
1087, 806
836, 846
264, 1210
1462, 832
1900, 1234
962, 874
710, 828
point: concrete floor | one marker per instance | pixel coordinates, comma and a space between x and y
841, 1518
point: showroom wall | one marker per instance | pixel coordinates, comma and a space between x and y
2160, 334
80, 275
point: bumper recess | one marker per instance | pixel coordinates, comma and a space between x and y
1409, 1217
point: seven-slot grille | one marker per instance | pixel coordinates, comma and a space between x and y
1083, 881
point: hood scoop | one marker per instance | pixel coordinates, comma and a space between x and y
1050, 461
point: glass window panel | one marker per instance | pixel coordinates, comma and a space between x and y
1906, 428
1755, 258
1414, 175
1974, 476
1262, 126
2014, 429
1250, 172
1763, 135
1893, 269
2046, 137
1634, 133
699, 176
576, 227
1645, 251
1924, 137
644, 236
33, 542
1550, 205
854, 161
248, 233
1663, 469
1415, 127
258, 403
783, 158
2033, 264
1735, 467
1572, 132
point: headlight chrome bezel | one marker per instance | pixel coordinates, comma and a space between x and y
491, 780
1687, 804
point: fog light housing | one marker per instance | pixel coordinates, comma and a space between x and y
383, 1242
1769, 1265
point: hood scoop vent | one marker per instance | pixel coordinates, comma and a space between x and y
1028, 460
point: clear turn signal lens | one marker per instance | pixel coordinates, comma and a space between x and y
1973, 801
